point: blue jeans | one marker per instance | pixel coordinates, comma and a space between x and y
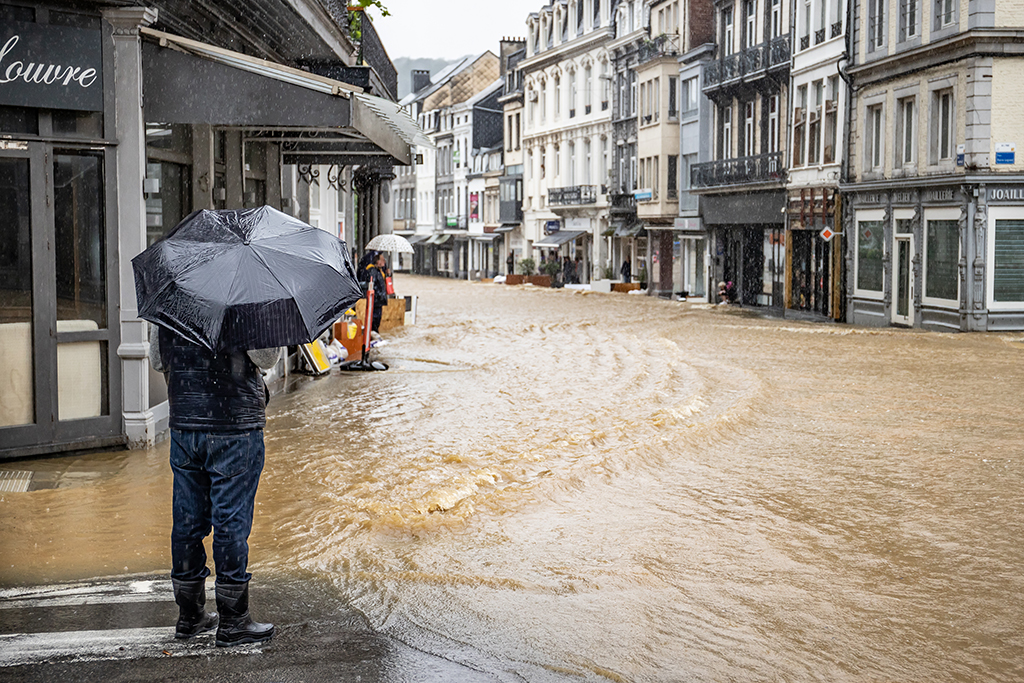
215, 480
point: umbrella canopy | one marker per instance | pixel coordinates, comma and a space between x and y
395, 243
249, 279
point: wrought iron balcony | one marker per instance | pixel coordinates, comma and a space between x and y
778, 52
623, 203
805, 42
760, 168
837, 29
572, 196
819, 36
749, 65
664, 45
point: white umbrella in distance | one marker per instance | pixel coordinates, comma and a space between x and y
395, 243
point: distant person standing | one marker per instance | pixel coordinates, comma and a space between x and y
510, 262
626, 271
376, 273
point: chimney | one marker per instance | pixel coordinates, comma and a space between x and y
420, 79
509, 46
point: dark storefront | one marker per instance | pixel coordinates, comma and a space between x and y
749, 246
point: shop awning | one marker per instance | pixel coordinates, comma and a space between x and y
438, 238
633, 228
506, 227
557, 239
416, 239
316, 119
486, 237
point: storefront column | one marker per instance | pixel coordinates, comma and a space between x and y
139, 419
204, 171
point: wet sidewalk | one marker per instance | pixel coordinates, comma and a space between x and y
122, 629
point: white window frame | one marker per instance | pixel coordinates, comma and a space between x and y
749, 128
726, 133
939, 214
903, 136
936, 89
865, 215
874, 141
774, 102
750, 21
728, 21
997, 213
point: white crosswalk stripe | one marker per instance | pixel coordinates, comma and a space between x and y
111, 644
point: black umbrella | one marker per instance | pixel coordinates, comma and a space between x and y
248, 279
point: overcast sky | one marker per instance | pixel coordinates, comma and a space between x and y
448, 29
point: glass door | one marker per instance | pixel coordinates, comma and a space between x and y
58, 365
24, 320
903, 282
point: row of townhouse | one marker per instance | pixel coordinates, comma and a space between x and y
826, 159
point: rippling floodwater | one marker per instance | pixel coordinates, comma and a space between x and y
570, 485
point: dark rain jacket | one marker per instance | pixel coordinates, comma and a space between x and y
211, 392
380, 286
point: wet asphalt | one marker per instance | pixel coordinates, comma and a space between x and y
121, 630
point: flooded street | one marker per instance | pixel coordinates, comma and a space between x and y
556, 485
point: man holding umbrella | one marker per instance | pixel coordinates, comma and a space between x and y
220, 284
217, 413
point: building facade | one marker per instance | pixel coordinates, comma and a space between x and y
743, 188
815, 267
566, 133
446, 113
103, 165
933, 200
677, 248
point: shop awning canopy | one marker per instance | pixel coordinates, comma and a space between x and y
416, 239
506, 227
438, 238
634, 228
317, 120
557, 239
487, 236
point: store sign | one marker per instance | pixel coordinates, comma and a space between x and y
688, 224
960, 149
643, 195
1006, 194
52, 67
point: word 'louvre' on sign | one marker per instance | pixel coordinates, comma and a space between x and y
51, 66
33, 73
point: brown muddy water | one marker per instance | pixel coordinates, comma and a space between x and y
550, 485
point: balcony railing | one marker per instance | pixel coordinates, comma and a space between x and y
778, 51
623, 202
665, 44
760, 168
837, 29
751, 62
819, 36
805, 42
572, 196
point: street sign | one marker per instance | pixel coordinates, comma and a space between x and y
828, 233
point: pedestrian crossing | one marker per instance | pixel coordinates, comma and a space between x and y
73, 611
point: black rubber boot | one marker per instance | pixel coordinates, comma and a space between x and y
236, 626
192, 618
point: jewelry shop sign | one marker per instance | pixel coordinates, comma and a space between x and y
52, 67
